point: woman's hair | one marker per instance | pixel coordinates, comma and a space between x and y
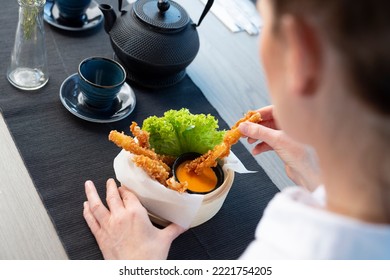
360, 32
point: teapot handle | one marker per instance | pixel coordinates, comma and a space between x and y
205, 11
122, 12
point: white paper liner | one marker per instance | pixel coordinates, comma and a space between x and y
179, 208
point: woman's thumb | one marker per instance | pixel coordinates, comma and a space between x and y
172, 231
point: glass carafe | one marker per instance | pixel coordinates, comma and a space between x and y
28, 68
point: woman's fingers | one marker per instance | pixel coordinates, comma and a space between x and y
129, 199
172, 231
269, 123
252, 140
255, 131
261, 148
113, 198
266, 112
97, 209
90, 219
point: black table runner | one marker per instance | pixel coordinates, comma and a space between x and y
62, 151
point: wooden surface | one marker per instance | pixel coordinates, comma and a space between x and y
26, 231
229, 74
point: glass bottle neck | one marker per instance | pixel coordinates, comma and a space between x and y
31, 18
32, 3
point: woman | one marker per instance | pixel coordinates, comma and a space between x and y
327, 65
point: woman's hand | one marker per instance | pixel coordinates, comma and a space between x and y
300, 161
124, 231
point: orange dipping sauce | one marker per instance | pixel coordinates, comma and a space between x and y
205, 182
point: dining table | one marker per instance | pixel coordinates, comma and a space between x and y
47, 152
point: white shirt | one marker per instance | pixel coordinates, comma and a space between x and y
296, 226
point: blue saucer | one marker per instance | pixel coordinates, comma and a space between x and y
92, 18
73, 101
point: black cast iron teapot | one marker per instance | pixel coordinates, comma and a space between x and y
155, 40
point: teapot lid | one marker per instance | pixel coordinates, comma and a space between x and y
169, 17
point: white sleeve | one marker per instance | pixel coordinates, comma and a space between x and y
295, 225
274, 232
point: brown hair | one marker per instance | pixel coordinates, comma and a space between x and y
360, 32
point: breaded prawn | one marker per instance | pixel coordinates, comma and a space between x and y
222, 150
141, 135
129, 144
153, 168
180, 187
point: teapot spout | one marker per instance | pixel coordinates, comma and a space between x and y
109, 16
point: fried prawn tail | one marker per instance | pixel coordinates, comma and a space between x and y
154, 168
180, 187
129, 144
222, 150
141, 135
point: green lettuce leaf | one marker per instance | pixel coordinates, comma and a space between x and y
179, 132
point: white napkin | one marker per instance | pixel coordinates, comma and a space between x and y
179, 208
232, 162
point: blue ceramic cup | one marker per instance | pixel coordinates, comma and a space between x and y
100, 81
72, 9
